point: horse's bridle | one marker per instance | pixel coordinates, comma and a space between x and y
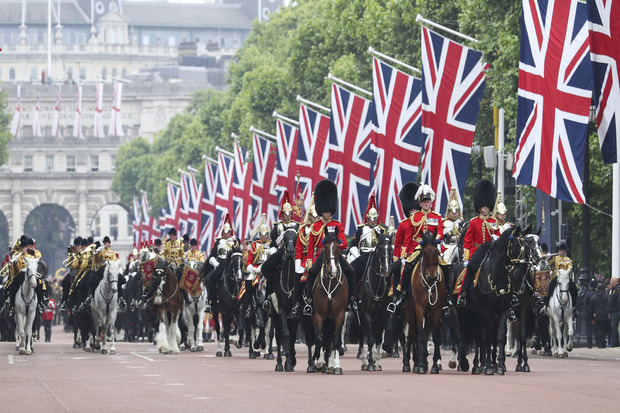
289, 253
382, 271
160, 287
426, 279
28, 275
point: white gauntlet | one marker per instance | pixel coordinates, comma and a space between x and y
298, 268
214, 262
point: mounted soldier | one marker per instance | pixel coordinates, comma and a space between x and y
500, 213
73, 262
16, 264
365, 239
301, 253
258, 251
404, 235
285, 215
326, 204
222, 246
172, 251
42, 298
561, 261
100, 256
83, 269
452, 227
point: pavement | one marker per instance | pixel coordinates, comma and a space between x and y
58, 378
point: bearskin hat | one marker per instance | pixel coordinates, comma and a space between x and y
326, 197
407, 197
484, 194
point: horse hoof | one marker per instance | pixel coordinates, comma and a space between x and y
227, 353
452, 364
311, 369
329, 370
338, 371
104, 351
238, 344
435, 370
396, 355
488, 371
533, 351
359, 355
508, 353
279, 367
370, 368
269, 356
288, 367
500, 371
218, 354
439, 365
252, 355
88, 349
526, 369
547, 354
341, 351
21, 351
406, 369
112, 351
76, 345
191, 349
475, 370
200, 348
364, 367
518, 368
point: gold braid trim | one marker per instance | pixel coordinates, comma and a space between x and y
302, 237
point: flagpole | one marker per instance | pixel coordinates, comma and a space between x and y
263, 134
206, 158
173, 182
420, 19
224, 151
391, 59
347, 84
182, 172
310, 103
284, 118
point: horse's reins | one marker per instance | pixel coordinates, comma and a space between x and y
161, 294
324, 269
107, 301
235, 293
21, 291
288, 291
429, 287
382, 283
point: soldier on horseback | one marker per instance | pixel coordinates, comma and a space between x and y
499, 214
258, 251
326, 204
561, 261
193, 254
41, 286
73, 262
15, 264
301, 253
173, 252
218, 254
365, 239
404, 234
99, 258
452, 223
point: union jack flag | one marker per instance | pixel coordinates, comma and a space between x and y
242, 197
150, 225
172, 213
397, 99
36, 121
136, 228
264, 196
555, 91
351, 156
604, 24
287, 136
56, 119
453, 79
223, 194
207, 206
191, 196
313, 135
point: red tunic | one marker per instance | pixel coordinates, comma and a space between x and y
301, 247
315, 243
423, 221
254, 251
404, 233
479, 231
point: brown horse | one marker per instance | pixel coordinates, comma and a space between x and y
330, 304
168, 303
425, 311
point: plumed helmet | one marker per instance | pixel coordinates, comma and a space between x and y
193, 242
453, 203
408, 199
372, 214
263, 228
501, 208
311, 212
285, 205
326, 197
484, 194
227, 228
497, 207
425, 193
173, 231
106, 239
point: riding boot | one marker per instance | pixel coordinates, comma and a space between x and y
63, 307
11, 312
512, 317
208, 307
88, 300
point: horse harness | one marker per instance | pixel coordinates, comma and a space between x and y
235, 293
288, 291
108, 300
161, 294
382, 285
509, 268
338, 275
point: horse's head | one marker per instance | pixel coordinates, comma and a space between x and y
533, 253
430, 256
383, 253
32, 271
111, 273
235, 264
289, 241
563, 281
158, 281
331, 242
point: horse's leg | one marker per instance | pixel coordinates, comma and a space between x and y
367, 363
200, 326
226, 319
421, 338
162, 334
174, 332
437, 355
216, 327
501, 343
288, 341
571, 332
522, 346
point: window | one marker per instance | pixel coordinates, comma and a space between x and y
104, 74
70, 163
11, 74
114, 226
172, 41
145, 40
113, 160
94, 163
97, 229
114, 73
49, 163
82, 73
28, 163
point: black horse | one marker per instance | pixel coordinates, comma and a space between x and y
487, 308
230, 275
286, 288
374, 287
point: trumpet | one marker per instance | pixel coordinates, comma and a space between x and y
5, 270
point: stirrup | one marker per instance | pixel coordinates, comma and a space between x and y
512, 317
87, 301
308, 310
391, 307
208, 309
267, 305
462, 301
353, 305
295, 311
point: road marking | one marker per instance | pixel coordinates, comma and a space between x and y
11, 359
174, 384
135, 367
144, 357
202, 398
209, 356
150, 375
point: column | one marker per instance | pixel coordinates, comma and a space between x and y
83, 229
17, 224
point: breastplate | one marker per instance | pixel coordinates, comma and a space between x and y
368, 241
222, 249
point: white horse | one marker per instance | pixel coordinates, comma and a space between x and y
26, 305
194, 314
104, 305
561, 316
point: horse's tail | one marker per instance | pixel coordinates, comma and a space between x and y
355, 331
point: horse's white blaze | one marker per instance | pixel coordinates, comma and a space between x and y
159, 294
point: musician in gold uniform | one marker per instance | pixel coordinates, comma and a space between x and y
562, 262
12, 267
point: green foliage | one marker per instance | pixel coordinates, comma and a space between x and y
5, 133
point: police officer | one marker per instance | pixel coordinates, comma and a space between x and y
404, 235
218, 254
326, 204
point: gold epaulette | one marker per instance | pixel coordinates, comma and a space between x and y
315, 233
473, 218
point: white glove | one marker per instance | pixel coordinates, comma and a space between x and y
272, 250
214, 262
465, 263
354, 252
494, 237
257, 269
250, 269
298, 268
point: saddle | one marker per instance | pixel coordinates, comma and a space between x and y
459, 280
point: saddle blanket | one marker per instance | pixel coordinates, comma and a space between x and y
459, 280
190, 282
147, 268
541, 282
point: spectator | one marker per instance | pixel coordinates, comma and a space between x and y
588, 313
600, 315
613, 304
47, 318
